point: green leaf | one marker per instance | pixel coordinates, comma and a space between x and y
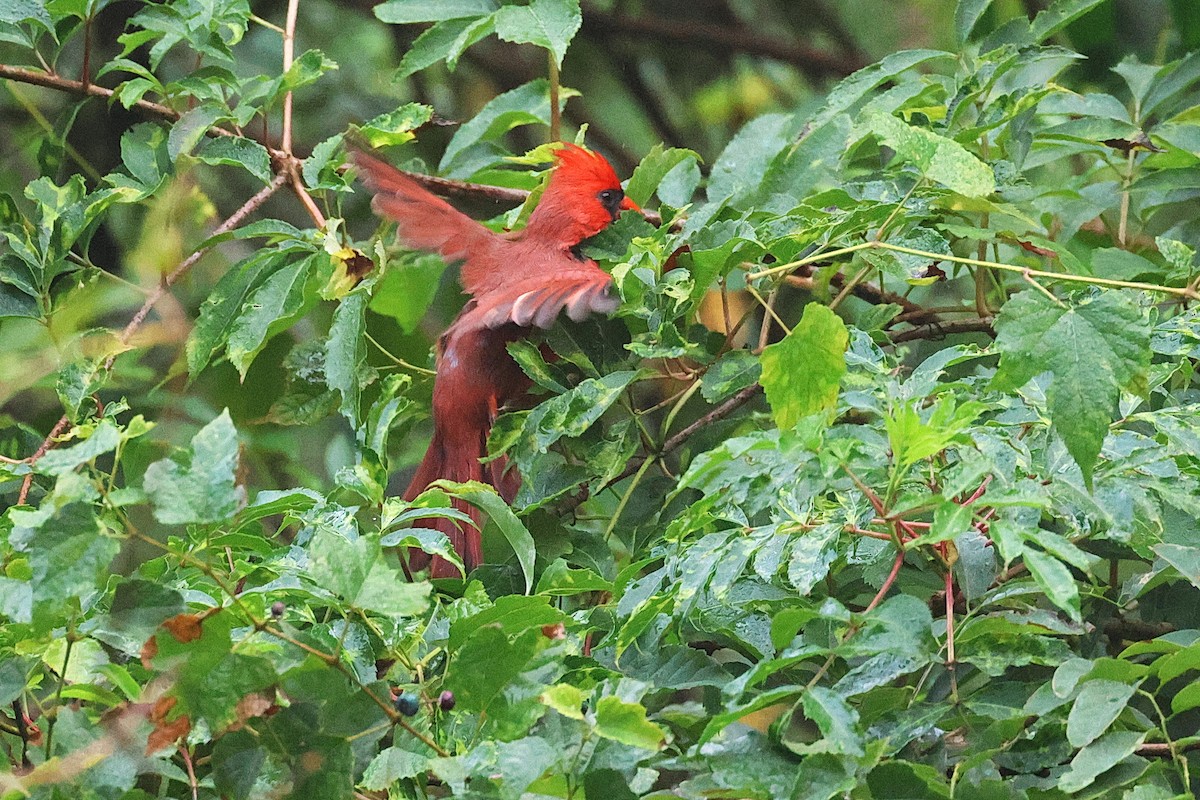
837, 721
270, 308
526, 105
140, 606
501, 676
653, 168
445, 40
199, 487
223, 304
104, 438
939, 159
236, 151
356, 570
484, 497
407, 288
395, 127
559, 580
1122, 265
345, 350
1187, 699
860, 85
822, 776
571, 414
1059, 15
67, 551
1056, 581
747, 155
17, 11
910, 267
391, 765
144, 154
949, 521
801, 373
731, 373
16, 303
398, 12
238, 759
1096, 707
896, 778
192, 127
1183, 558
1099, 757
812, 553
1093, 349
913, 439
565, 699
626, 723
547, 23
514, 614
533, 363
305, 70
966, 16
306, 398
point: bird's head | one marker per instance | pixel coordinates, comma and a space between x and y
583, 197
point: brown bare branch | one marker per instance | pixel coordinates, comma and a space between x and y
938, 330
675, 442
282, 161
723, 38
864, 291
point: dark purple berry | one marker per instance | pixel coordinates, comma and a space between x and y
277, 609
446, 700
408, 704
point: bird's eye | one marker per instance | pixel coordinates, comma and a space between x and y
607, 196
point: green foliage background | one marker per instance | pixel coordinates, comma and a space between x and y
882, 483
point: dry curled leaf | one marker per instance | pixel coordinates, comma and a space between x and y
185, 627
149, 651
253, 705
166, 732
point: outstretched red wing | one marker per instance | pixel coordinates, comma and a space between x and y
537, 302
424, 221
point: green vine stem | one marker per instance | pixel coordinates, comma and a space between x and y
1187, 292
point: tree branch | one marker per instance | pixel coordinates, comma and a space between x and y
153, 297
446, 187
938, 330
721, 37
864, 291
719, 413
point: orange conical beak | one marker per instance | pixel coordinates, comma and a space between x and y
629, 205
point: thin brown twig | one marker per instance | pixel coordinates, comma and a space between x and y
153, 297
46, 444
85, 72
555, 108
887, 583
289, 51
720, 412
1163, 749
233, 221
951, 658
291, 164
191, 770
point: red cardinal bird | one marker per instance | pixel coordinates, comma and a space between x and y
517, 281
